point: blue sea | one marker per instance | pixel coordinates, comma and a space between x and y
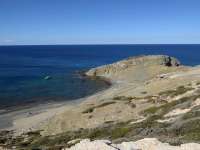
23, 69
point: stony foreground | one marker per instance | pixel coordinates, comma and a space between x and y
144, 144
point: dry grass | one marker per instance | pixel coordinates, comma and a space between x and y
91, 109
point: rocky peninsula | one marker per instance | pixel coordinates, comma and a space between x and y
153, 99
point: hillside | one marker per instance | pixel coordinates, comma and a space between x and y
150, 97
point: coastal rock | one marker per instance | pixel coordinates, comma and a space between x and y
91, 145
143, 61
144, 144
101, 145
47, 77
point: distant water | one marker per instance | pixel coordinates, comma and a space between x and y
23, 68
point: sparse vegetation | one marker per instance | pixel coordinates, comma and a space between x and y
198, 83
90, 116
191, 114
178, 91
175, 135
91, 109
188, 130
165, 108
105, 104
123, 98
120, 132
109, 122
144, 92
133, 105
151, 110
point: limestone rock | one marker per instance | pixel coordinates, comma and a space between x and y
144, 144
150, 60
91, 145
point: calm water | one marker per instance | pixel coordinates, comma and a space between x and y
23, 68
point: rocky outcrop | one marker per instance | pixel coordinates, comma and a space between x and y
150, 60
144, 144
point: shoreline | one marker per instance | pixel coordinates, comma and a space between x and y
22, 119
90, 85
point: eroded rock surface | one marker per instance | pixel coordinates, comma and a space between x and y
151, 60
144, 144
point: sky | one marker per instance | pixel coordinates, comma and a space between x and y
38, 22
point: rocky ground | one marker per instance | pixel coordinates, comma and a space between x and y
151, 97
144, 144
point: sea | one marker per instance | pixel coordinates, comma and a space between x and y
23, 69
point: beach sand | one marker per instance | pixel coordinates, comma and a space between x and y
28, 119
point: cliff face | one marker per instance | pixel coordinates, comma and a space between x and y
141, 61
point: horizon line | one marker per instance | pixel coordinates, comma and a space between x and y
98, 44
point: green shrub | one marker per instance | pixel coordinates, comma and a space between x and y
190, 130
198, 83
120, 132
98, 133
178, 91
133, 105
123, 98
105, 104
191, 114
89, 110
144, 92
165, 108
151, 110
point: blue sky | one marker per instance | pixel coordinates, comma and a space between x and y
99, 21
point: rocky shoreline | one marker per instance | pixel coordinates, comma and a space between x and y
151, 97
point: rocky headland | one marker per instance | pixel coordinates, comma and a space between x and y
151, 97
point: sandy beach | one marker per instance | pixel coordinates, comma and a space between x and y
28, 119
34, 116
